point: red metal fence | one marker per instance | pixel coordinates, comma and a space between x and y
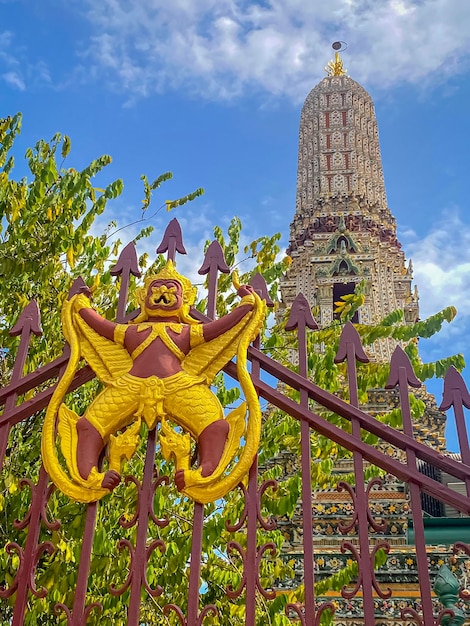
36, 534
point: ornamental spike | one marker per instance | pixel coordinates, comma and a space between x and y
127, 262
453, 381
30, 319
79, 286
400, 359
350, 336
259, 285
172, 241
300, 314
214, 259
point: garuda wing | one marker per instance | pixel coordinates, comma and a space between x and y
107, 358
207, 359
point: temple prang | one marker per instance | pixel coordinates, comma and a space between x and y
343, 230
342, 233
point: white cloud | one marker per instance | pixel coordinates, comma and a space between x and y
14, 79
221, 48
441, 263
16, 69
5, 39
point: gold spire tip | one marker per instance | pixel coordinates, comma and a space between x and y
336, 67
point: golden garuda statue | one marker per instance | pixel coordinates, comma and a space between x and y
157, 368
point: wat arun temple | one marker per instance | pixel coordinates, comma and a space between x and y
342, 233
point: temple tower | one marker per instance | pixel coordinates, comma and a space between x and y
343, 230
342, 233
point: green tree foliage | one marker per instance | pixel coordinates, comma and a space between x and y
45, 235
45, 243
46, 220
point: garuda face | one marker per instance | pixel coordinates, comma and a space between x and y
164, 297
166, 294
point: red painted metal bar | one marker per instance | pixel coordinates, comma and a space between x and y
28, 323
213, 263
252, 512
251, 556
456, 394
139, 555
301, 318
360, 501
41, 400
34, 379
80, 610
371, 454
195, 565
32, 553
462, 436
198, 514
126, 265
404, 378
250, 561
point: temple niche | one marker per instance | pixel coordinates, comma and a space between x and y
343, 232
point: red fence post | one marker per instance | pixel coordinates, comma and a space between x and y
29, 322
350, 350
456, 394
402, 375
301, 318
141, 553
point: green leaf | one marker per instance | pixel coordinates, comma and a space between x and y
65, 147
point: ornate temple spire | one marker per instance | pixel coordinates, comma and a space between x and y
343, 231
339, 152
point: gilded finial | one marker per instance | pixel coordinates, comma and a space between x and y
336, 67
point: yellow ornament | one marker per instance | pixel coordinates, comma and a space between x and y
156, 369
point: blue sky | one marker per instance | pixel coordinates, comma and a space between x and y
212, 90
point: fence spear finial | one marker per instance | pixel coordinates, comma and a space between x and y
29, 320
259, 285
172, 241
300, 314
214, 262
126, 265
453, 381
400, 359
127, 262
78, 286
350, 336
